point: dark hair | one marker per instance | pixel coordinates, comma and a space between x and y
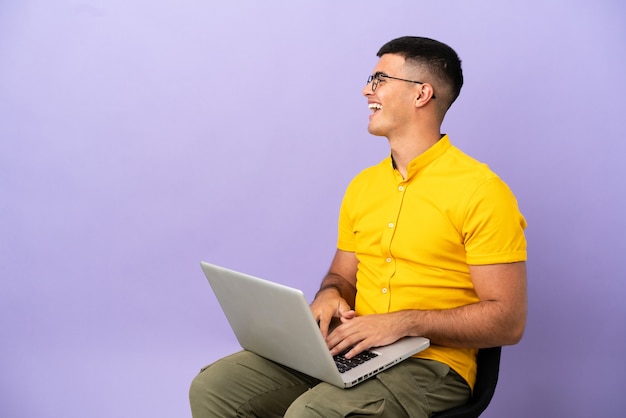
441, 60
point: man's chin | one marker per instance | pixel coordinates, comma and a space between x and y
376, 132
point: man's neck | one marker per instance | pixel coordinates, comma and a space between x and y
406, 149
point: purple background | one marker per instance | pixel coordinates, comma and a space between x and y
138, 137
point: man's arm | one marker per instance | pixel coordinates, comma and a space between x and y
498, 319
337, 291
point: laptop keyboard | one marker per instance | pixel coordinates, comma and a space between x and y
344, 364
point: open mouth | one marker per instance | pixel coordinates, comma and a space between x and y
375, 107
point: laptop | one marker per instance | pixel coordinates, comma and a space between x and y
276, 322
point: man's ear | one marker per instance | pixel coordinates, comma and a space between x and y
426, 94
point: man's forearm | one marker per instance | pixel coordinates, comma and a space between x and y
479, 325
345, 289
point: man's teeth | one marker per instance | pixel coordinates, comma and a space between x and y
375, 106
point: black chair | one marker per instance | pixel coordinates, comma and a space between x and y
488, 360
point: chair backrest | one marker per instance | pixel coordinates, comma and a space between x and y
488, 360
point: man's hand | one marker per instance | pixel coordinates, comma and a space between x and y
337, 291
365, 332
329, 304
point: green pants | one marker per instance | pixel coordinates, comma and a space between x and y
246, 385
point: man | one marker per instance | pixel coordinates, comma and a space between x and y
431, 244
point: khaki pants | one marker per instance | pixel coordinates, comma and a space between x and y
246, 385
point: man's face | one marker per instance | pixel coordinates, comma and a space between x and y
392, 101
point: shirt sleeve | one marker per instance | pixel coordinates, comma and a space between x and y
345, 234
493, 228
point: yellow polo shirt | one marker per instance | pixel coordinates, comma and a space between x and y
415, 237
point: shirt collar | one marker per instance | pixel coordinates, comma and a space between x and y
427, 157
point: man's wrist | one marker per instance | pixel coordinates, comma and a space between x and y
327, 286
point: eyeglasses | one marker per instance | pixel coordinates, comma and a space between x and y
378, 76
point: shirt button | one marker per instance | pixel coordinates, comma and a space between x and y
401, 188
388, 259
390, 224
384, 290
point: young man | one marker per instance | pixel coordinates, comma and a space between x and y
431, 244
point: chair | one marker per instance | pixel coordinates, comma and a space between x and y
488, 360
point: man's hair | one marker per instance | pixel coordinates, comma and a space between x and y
438, 58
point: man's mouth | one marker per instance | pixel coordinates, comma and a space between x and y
375, 107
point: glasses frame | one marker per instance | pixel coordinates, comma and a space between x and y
379, 75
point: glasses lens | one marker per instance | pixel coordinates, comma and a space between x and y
374, 80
